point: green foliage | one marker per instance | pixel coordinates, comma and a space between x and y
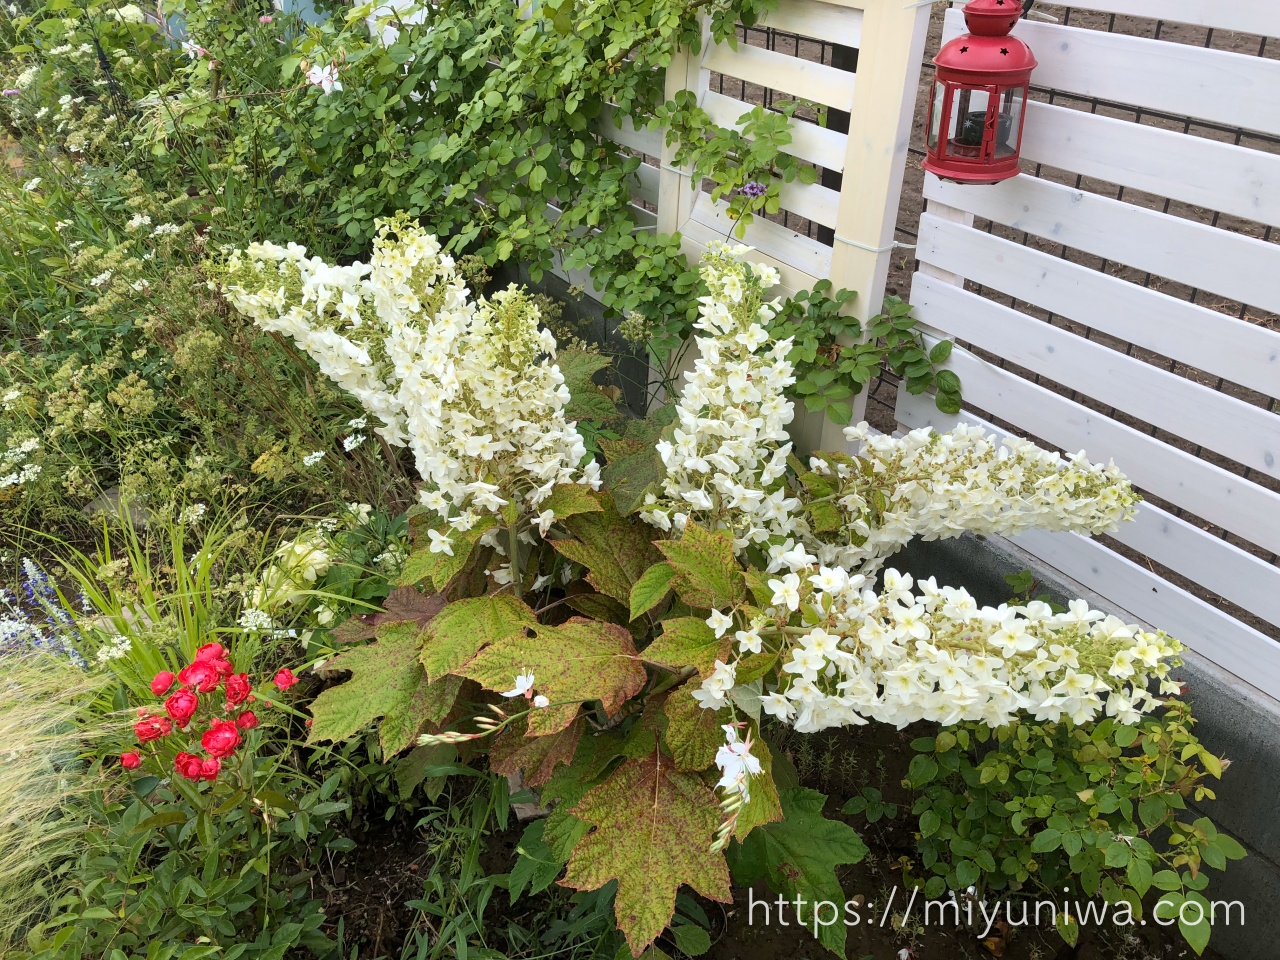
798, 855
1099, 810
616, 550
835, 358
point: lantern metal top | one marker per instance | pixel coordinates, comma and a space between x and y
987, 52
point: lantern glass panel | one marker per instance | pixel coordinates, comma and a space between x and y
936, 110
1009, 123
968, 121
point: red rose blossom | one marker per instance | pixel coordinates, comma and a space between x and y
284, 679
209, 768
188, 765
224, 667
221, 739
200, 674
162, 682
152, 728
211, 651
247, 720
130, 760
238, 688
182, 706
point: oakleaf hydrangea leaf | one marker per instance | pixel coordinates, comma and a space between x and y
693, 735
403, 604
579, 660
536, 757
653, 585
652, 831
615, 550
462, 629
570, 499
439, 567
386, 681
708, 574
688, 642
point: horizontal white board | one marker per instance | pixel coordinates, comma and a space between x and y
821, 21
1234, 89
779, 71
801, 261
642, 140
1248, 434
1239, 351
1206, 490
1234, 266
1261, 17
1169, 163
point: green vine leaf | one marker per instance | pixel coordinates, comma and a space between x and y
614, 549
578, 661
386, 681
463, 628
708, 574
799, 855
651, 830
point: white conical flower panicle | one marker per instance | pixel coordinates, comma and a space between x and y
470, 385
729, 444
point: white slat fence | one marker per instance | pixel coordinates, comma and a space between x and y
879, 97
1068, 302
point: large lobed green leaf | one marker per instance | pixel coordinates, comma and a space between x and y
464, 628
574, 662
386, 681
615, 550
799, 855
708, 574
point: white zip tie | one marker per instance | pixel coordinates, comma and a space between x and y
895, 245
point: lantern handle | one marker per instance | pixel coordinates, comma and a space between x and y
1027, 12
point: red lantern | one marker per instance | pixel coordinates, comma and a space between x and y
979, 95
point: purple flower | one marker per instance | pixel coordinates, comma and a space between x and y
13, 93
753, 189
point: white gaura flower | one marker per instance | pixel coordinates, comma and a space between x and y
523, 687
325, 77
541, 702
736, 763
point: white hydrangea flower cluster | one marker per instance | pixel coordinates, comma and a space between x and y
850, 654
470, 385
934, 486
729, 447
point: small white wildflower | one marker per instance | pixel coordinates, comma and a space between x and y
352, 442
523, 687
32, 183
311, 459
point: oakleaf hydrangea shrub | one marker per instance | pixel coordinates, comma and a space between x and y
622, 663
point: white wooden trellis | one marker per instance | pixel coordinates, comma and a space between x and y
879, 97
1232, 89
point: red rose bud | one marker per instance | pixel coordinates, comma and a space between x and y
162, 682
201, 674
224, 667
284, 679
211, 651
152, 728
209, 768
188, 765
130, 760
238, 688
182, 706
221, 739
247, 720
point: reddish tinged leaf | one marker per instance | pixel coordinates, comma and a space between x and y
614, 549
688, 642
570, 499
579, 660
537, 757
653, 828
402, 604
464, 628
